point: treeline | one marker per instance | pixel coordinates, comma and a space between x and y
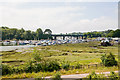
21, 34
107, 33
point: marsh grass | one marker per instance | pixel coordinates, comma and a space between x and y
75, 54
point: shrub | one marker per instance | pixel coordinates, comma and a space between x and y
47, 66
53, 65
37, 57
38, 67
94, 76
29, 67
18, 70
6, 69
78, 66
32, 66
65, 65
109, 60
113, 75
57, 76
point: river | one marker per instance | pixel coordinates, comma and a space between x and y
9, 48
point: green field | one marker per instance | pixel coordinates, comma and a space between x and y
83, 53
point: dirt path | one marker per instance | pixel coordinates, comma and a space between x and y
81, 75
71, 77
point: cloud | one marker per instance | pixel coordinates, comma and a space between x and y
60, 19
99, 24
39, 17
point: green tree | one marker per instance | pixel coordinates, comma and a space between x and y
47, 34
110, 34
21, 33
18, 35
47, 31
116, 33
27, 35
39, 33
34, 35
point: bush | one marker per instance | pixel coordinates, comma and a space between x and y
109, 60
57, 76
18, 70
10, 69
32, 66
94, 76
6, 69
113, 75
47, 66
37, 57
78, 66
65, 65
38, 67
29, 67
53, 65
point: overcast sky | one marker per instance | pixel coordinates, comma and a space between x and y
60, 17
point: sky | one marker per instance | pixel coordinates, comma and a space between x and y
60, 17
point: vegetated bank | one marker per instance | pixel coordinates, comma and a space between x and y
66, 58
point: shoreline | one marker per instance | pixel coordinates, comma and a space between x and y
10, 48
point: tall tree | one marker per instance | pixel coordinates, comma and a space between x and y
39, 33
116, 33
27, 35
34, 36
47, 31
47, 34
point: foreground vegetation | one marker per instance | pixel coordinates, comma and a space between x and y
62, 72
66, 58
111, 76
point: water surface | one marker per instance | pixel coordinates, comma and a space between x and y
9, 48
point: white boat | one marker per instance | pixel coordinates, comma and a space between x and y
6, 43
13, 42
44, 44
26, 42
